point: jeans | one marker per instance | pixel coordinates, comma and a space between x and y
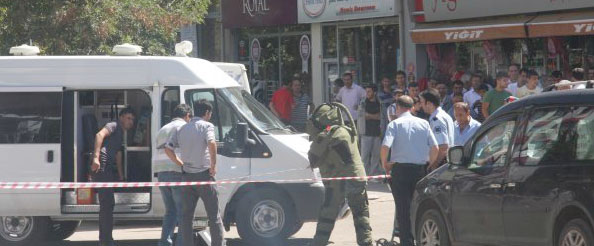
172, 198
107, 173
209, 195
404, 180
370, 153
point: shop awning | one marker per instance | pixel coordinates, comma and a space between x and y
471, 30
565, 24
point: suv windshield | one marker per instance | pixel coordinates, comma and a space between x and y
253, 110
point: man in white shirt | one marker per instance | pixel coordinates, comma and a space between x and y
471, 96
350, 94
530, 88
577, 74
514, 73
465, 126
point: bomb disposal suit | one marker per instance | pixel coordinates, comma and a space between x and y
334, 150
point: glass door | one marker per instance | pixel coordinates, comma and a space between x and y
355, 53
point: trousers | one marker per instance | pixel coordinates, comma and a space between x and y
209, 196
404, 179
355, 192
172, 199
107, 173
370, 153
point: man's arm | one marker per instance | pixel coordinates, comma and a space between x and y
99, 138
384, 158
442, 152
173, 157
119, 165
212, 149
369, 116
485, 109
271, 106
433, 152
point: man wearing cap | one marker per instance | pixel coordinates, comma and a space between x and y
441, 124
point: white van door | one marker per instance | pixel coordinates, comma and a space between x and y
30, 148
229, 166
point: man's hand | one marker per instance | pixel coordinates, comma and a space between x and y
95, 165
212, 170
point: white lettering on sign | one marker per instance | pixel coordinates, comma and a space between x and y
580, 28
476, 34
254, 7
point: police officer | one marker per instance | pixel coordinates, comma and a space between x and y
334, 150
441, 123
413, 147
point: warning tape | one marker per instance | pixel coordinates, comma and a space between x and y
76, 185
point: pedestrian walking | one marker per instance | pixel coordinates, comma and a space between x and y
441, 124
465, 126
301, 106
168, 171
107, 163
413, 146
369, 126
198, 159
471, 96
281, 103
531, 87
350, 95
495, 98
334, 150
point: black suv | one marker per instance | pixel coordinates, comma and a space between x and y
525, 178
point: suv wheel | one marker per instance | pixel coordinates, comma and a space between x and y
60, 230
576, 232
22, 230
431, 230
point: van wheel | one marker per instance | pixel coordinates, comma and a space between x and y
17, 231
576, 232
266, 217
60, 230
431, 230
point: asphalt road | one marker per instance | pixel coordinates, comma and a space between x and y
148, 233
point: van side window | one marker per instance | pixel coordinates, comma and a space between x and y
170, 100
491, 148
558, 135
227, 116
30, 117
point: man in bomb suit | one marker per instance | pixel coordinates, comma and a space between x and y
334, 150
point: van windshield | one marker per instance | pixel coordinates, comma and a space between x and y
253, 110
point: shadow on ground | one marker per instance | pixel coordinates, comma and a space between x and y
230, 242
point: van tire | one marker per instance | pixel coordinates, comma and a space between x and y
60, 230
29, 230
266, 217
432, 230
576, 229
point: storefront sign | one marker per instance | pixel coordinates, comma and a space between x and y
439, 10
248, 13
255, 53
451, 35
561, 29
304, 50
313, 11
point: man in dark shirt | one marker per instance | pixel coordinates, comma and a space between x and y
369, 129
108, 155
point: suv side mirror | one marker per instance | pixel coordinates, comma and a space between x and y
456, 155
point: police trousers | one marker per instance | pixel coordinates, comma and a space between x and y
355, 192
403, 182
107, 173
210, 197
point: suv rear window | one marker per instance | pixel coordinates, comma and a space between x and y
559, 135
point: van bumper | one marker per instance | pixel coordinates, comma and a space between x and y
307, 209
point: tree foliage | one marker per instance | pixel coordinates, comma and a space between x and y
93, 27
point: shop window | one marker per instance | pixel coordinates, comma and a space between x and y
329, 41
30, 117
355, 53
387, 51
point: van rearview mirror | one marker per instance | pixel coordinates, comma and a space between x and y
456, 155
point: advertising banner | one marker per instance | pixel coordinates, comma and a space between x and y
252, 13
314, 11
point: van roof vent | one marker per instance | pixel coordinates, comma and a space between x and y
24, 50
127, 50
183, 48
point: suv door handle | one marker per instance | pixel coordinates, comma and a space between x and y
50, 156
495, 186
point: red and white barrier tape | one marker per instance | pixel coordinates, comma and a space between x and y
71, 185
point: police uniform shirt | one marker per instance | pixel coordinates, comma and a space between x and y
410, 138
443, 127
